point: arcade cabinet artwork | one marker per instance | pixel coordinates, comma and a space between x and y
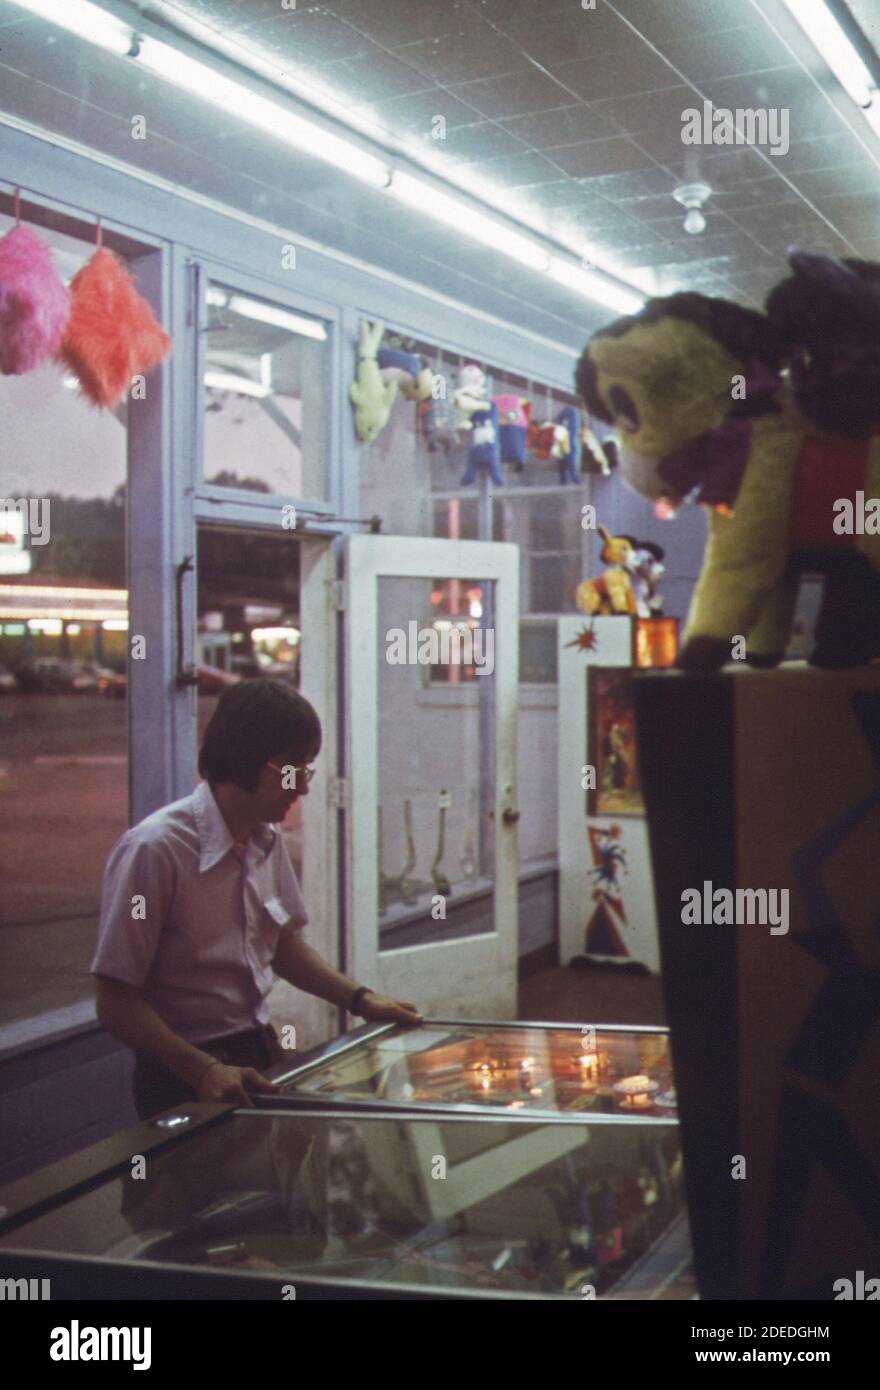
613, 737
606, 888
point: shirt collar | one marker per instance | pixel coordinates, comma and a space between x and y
214, 838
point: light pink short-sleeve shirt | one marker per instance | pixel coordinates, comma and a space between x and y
194, 922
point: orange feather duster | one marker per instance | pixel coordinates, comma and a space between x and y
112, 334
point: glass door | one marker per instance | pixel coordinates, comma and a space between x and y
432, 661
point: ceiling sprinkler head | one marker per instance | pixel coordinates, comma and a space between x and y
692, 196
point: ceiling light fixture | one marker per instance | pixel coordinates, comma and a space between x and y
829, 37
87, 21
595, 287
692, 196
464, 218
91, 22
275, 120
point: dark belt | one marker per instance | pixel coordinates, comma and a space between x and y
155, 1088
230, 1044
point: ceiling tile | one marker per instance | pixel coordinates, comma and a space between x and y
499, 97
414, 114
727, 170
394, 24
848, 179
307, 37
625, 72
824, 152
783, 89
702, 55
575, 33
631, 190
568, 125
483, 140
615, 156
519, 170
376, 77
650, 110
472, 53
663, 23
852, 217
507, 12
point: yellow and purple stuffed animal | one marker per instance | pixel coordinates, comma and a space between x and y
772, 422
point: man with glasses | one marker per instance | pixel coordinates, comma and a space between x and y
201, 910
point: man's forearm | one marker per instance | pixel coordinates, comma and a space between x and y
125, 1014
297, 963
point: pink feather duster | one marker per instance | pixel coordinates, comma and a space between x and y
34, 302
112, 334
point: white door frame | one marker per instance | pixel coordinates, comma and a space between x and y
467, 977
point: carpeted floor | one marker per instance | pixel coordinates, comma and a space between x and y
600, 994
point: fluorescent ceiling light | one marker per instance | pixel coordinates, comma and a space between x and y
278, 318
463, 218
243, 385
91, 22
85, 20
593, 286
275, 120
834, 45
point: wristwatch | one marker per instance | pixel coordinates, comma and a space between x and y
354, 1006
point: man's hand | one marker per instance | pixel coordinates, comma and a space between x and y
232, 1084
377, 1009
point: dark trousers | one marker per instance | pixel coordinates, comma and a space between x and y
156, 1089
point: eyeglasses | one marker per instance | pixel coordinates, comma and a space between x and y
306, 773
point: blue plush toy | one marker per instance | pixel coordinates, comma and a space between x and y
485, 446
570, 462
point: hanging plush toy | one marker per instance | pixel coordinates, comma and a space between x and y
112, 334
512, 429
595, 455
409, 369
703, 412
437, 423
371, 397
570, 457
485, 448
34, 302
470, 394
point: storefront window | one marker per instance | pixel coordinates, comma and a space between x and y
63, 648
266, 396
248, 623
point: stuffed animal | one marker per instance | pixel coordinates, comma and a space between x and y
613, 591
549, 440
34, 302
485, 450
470, 394
371, 397
648, 570
512, 428
437, 423
409, 369
704, 411
570, 454
594, 454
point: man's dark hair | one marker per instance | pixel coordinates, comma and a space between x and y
252, 723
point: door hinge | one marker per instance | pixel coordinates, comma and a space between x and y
337, 595
339, 793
